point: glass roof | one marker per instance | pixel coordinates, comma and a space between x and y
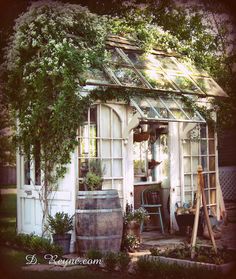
161, 72
165, 110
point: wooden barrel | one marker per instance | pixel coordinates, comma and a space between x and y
99, 221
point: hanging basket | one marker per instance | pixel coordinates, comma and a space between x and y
143, 136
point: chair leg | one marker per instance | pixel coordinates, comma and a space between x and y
162, 228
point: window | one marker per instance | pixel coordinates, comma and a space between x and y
101, 138
32, 167
199, 149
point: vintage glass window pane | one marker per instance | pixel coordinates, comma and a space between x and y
195, 162
195, 148
212, 180
211, 132
117, 167
204, 162
212, 163
212, 196
157, 80
209, 86
168, 64
203, 147
106, 149
205, 179
194, 182
189, 68
187, 182
137, 59
203, 131
184, 83
118, 185
106, 164
178, 114
127, 77
98, 76
107, 184
117, 150
106, 129
207, 196
211, 144
186, 147
116, 126
116, 58
187, 165
188, 197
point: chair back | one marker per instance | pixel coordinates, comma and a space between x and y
150, 196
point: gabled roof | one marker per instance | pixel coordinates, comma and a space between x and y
157, 71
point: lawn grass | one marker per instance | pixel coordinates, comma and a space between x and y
7, 186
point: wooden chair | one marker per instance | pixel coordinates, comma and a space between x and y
150, 199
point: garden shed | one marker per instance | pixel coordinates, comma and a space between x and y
176, 137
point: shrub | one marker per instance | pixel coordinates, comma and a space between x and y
110, 260
94, 254
61, 223
123, 260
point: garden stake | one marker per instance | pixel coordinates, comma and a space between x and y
206, 213
196, 219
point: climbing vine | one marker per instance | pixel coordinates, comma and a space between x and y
47, 61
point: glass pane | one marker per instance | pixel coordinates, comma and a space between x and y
107, 184
188, 67
207, 196
195, 162
211, 147
157, 80
195, 182
127, 77
98, 76
212, 163
203, 147
209, 86
187, 182
186, 147
105, 125
203, 131
84, 147
117, 168
188, 197
93, 115
204, 162
118, 184
205, 179
187, 165
106, 164
184, 83
116, 126
106, 149
212, 180
212, 196
116, 58
211, 133
168, 64
195, 148
27, 172
117, 152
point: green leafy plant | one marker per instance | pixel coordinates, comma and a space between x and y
60, 224
140, 215
94, 254
92, 181
130, 242
123, 260
110, 260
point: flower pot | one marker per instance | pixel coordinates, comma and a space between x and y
63, 241
133, 227
143, 136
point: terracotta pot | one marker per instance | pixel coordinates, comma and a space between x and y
134, 228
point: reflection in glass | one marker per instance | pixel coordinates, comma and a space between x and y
184, 83
157, 80
127, 76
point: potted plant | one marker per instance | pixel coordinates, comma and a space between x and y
134, 220
59, 225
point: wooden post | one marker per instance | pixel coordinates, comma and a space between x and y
196, 219
207, 219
